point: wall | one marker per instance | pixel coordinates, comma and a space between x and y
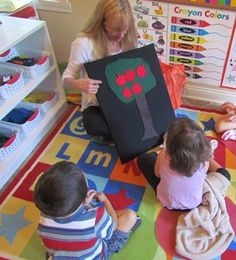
197, 36
63, 27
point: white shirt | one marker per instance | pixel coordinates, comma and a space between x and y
81, 52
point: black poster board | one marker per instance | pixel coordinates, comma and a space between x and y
134, 99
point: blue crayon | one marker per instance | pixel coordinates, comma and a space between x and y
188, 30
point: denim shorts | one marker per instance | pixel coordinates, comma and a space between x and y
117, 241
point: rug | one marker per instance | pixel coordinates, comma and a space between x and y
123, 184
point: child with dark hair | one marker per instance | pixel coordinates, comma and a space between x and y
178, 172
70, 226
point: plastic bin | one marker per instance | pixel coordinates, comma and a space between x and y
45, 106
11, 143
31, 122
7, 55
12, 85
31, 72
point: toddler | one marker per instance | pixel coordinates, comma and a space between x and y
226, 124
69, 226
178, 172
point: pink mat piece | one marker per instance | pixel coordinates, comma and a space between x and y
166, 227
229, 144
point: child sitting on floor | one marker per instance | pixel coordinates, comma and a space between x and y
69, 226
226, 124
178, 172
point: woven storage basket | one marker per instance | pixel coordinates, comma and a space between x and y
31, 72
45, 106
11, 144
12, 85
30, 123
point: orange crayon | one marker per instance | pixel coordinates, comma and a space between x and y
187, 46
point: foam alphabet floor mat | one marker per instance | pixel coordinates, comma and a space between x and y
122, 183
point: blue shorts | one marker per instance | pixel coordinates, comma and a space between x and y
117, 241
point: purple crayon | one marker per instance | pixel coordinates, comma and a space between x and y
186, 54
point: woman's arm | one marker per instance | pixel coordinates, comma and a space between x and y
86, 85
75, 76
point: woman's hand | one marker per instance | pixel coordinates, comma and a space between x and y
89, 85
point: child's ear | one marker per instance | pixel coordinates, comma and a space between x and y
90, 196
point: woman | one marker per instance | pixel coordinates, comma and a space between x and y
110, 31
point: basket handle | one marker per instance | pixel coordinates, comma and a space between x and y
42, 60
14, 78
32, 117
51, 96
4, 54
9, 141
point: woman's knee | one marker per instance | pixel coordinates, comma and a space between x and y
146, 160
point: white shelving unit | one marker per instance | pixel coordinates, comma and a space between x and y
30, 34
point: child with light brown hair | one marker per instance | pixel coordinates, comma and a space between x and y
226, 124
178, 172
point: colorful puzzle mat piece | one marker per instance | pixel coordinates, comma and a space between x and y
123, 184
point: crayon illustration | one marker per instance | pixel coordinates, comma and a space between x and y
190, 22
186, 54
185, 61
187, 38
187, 46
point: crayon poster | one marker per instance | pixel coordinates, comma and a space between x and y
229, 76
151, 21
230, 3
199, 38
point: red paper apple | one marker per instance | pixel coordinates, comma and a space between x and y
137, 88
141, 71
130, 75
121, 80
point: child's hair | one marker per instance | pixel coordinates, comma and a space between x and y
60, 190
187, 146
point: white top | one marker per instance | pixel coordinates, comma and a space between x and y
81, 52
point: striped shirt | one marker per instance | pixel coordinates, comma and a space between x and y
79, 236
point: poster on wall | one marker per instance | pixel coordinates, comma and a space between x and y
151, 23
199, 38
229, 75
220, 3
195, 36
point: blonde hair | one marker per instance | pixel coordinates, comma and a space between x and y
95, 28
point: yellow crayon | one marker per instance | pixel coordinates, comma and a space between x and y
233, 3
187, 38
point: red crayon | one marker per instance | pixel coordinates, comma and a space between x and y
190, 22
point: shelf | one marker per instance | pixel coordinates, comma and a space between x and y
14, 161
13, 30
7, 105
32, 35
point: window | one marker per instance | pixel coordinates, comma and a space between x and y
54, 5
